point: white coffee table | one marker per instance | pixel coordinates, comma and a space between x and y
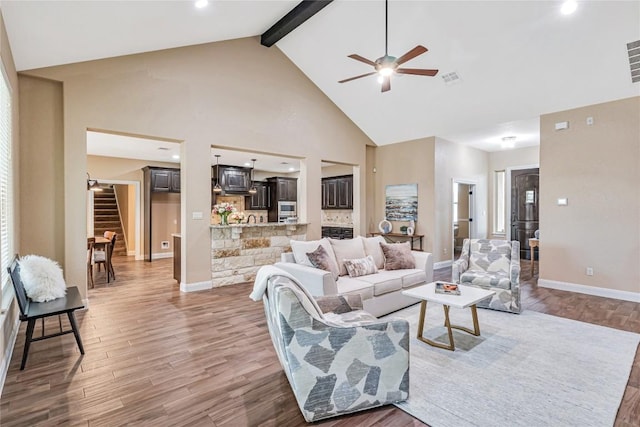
469, 297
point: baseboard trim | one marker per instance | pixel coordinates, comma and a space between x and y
161, 255
131, 253
197, 286
442, 264
8, 353
589, 290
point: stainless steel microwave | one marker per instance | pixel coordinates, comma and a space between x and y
287, 210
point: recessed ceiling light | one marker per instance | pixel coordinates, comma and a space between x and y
163, 149
508, 142
175, 156
202, 3
568, 7
284, 163
292, 169
247, 164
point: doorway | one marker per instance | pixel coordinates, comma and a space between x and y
525, 197
463, 214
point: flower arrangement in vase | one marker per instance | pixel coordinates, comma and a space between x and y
224, 209
238, 217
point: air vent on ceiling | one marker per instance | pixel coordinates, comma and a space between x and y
634, 60
451, 78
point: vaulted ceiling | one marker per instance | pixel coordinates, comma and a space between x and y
515, 60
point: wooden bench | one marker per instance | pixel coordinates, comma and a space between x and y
30, 311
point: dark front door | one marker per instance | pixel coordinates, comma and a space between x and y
525, 198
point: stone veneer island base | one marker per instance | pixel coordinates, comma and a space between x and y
238, 251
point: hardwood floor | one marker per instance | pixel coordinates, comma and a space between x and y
155, 356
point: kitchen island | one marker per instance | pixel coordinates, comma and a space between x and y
239, 250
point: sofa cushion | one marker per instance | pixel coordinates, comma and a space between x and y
497, 279
361, 266
322, 260
385, 281
350, 285
347, 249
301, 247
412, 277
372, 247
397, 256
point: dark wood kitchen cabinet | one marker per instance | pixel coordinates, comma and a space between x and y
286, 189
163, 180
261, 200
232, 179
337, 192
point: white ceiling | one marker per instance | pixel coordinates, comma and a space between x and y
516, 59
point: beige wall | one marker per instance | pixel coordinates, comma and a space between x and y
336, 170
598, 169
9, 319
42, 166
459, 163
409, 162
165, 208
127, 210
189, 94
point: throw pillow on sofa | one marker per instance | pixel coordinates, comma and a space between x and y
372, 247
347, 249
301, 247
361, 267
42, 278
322, 260
397, 256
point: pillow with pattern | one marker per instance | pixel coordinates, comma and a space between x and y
361, 266
397, 256
321, 259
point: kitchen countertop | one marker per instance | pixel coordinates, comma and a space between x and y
337, 224
259, 224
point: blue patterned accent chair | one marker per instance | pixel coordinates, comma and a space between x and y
493, 265
338, 359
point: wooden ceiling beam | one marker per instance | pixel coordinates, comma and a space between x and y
292, 20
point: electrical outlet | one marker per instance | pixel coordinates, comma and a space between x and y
164, 244
589, 271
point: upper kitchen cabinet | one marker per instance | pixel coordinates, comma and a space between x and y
337, 192
261, 200
163, 180
286, 189
232, 179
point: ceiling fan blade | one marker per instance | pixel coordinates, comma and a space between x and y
418, 50
417, 71
386, 84
361, 59
357, 77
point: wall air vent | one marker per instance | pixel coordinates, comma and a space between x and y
451, 78
634, 60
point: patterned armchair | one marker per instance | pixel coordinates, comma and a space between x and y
491, 264
340, 361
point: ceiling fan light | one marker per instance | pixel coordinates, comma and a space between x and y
380, 79
385, 71
568, 7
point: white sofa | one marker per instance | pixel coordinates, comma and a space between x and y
381, 292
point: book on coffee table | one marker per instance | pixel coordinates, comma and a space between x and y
447, 288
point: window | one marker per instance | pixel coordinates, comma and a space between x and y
499, 207
6, 181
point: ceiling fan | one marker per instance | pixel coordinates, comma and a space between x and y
386, 65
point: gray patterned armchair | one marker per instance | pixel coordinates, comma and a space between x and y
494, 265
340, 361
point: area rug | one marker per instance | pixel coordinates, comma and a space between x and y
528, 370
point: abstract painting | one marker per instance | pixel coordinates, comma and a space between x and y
401, 202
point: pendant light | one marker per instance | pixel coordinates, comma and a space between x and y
253, 189
217, 188
92, 184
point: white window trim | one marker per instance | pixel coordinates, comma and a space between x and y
7, 251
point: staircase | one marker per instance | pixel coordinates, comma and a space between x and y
107, 218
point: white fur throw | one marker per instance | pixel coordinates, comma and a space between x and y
42, 278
